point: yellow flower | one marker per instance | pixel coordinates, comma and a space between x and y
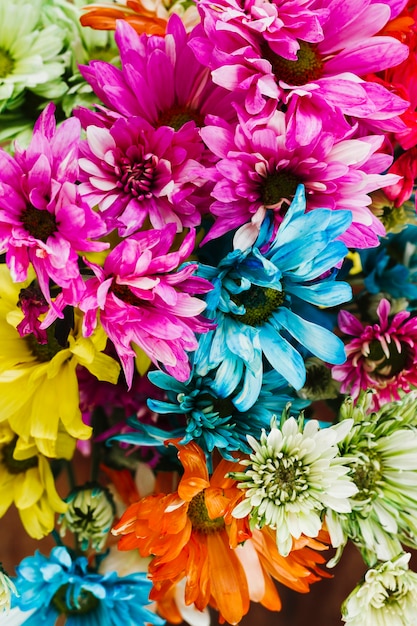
29, 484
38, 382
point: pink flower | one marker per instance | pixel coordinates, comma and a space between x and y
160, 80
145, 299
257, 172
43, 219
133, 171
381, 356
327, 69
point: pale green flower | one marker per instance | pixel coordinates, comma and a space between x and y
293, 476
7, 589
381, 452
31, 57
89, 516
386, 597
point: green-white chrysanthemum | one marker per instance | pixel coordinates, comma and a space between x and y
83, 45
386, 597
294, 474
7, 589
89, 516
31, 56
381, 452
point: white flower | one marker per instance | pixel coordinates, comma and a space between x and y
381, 452
387, 597
292, 478
7, 589
30, 54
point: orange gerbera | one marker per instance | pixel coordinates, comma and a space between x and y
191, 534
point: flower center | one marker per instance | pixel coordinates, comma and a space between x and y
366, 475
44, 351
284, 479
308, 66
259, 303
137, 177
39, 223
124, 293
387, 367
176, 117
67, 604
279, 187
199, 517
13, 465
6, 63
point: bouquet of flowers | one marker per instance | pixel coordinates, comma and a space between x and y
208, 293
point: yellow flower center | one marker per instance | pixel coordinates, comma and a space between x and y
259, 303
199, 517
44, 351
308, 66
6, 63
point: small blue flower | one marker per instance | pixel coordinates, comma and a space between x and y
262, 301
63, 585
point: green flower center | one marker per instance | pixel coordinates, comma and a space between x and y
39, 223
279, 187
285, 479
176, 117
13, 465
366, 475
6, 63
307, 68
384, 366
44, 351
83, 603
259, 303
199, 517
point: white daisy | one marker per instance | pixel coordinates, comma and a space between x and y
293, 476
387, 596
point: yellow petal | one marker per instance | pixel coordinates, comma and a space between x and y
28, 488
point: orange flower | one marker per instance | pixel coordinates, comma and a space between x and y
192, 534
150, 17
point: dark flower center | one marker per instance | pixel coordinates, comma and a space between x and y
13, 465
289, 480
199, 517
388, 366
44, 351
66, 604
279, 187
259, 303
137, 177
124, 293
39, 223
6, 63
308, 66
176, 117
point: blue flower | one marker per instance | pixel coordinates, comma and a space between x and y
262, 301
63, 585
212, 420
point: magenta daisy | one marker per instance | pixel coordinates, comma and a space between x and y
43, 219
146, 300
133, 171
380, 356
324, 73
160, 80
257, 172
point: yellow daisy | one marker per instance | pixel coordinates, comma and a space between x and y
38, 382
29, 484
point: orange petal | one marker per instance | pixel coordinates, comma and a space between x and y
216, 502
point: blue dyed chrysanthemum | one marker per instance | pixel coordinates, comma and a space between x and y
63, 585
262, 298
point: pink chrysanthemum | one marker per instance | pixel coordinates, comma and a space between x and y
43, 219
381, 356
145, 300
325, 77
256, 172
160, 80
133, 171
